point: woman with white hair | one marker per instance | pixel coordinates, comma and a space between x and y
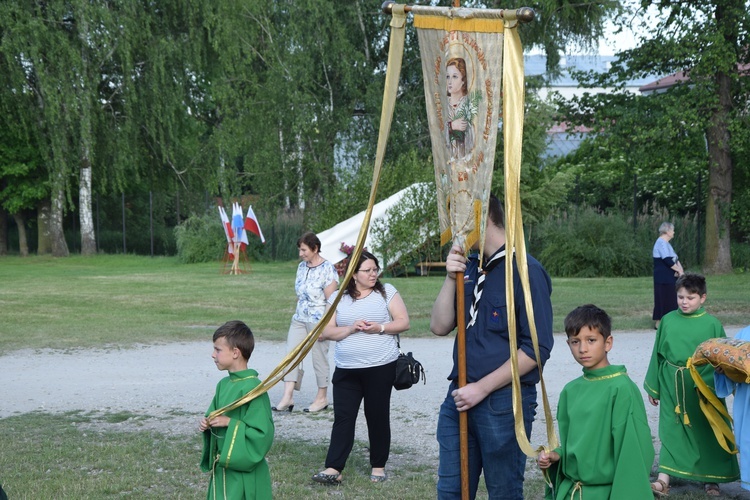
667, 269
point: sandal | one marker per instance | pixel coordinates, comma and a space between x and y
323, 478
711, 489
663, 490
378, 479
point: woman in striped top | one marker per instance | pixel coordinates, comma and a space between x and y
366, 320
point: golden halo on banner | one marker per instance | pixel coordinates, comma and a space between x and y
457, 50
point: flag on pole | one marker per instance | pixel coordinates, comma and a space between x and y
252, 225
227, 231
227, 226
237, 223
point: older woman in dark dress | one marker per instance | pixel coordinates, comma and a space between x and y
667, 269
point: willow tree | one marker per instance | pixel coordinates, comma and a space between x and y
282, 82
104, 90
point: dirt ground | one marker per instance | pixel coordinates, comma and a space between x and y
169, 386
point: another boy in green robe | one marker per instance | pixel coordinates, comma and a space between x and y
605, 447
688, 447
235, 444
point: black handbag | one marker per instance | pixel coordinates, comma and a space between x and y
408, 370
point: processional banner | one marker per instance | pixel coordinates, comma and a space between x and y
472, 62
462, 61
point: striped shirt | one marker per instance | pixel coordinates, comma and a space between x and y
364, 350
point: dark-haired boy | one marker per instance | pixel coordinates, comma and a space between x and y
688, 447
605, 447
235, 444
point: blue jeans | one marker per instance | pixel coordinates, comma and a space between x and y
492, 445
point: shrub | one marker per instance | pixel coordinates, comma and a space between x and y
584, 242
741, 256
282, 233
409, 230
200, 239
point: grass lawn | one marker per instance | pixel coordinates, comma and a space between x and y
124, 300
78, 456
80, 302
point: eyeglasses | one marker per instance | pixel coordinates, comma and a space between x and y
374, 270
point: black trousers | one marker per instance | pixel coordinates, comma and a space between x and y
350, 388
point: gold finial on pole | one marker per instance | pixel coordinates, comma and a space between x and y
387, 7
525, 14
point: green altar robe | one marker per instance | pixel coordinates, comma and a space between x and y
235, 455
688, 447
605, 449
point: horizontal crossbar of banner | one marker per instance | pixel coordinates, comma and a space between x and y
524, 14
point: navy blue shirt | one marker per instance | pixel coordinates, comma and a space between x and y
487, 340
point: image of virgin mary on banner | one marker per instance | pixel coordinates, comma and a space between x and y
462, 61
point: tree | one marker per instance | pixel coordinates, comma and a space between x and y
560, 25
708, 41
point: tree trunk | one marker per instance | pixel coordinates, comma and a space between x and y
56, 234
88, 237
718, 255
23, 243
44, 245
3, 232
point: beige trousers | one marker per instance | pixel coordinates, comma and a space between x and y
298, 331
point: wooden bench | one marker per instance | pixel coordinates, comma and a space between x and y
424, 268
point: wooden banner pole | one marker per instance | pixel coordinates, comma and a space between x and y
524, 14
463, 417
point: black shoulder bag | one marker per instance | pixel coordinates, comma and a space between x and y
408, 369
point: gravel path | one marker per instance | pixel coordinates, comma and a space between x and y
169, 386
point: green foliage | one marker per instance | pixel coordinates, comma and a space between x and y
409, 168
652, 137
22, 179
200, 239
562, 25
543, 190
586, 243
409, 232
689, 131
741, 256
281, 237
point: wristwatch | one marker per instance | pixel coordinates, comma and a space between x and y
382, 328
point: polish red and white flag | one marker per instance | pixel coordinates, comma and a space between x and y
252, 225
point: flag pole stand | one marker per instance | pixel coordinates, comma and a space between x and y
240, 264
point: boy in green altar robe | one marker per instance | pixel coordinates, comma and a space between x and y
689, 448
605, 451
235, 444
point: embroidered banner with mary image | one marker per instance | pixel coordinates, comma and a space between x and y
462, 62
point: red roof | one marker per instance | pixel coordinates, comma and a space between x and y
681, 77
564, 127
666, 82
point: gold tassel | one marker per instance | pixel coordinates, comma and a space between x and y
677, 409
686, 419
